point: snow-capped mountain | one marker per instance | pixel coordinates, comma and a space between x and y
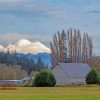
32, 50
1, 47
23, 42
27, 47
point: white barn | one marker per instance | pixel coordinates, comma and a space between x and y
71, 73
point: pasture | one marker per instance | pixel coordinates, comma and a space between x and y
52, 93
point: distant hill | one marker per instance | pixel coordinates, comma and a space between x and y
45, 57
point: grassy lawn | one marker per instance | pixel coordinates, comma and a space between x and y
55, 93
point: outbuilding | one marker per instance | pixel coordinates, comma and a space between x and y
71, 73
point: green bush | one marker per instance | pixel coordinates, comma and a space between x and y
44, 78
92, 77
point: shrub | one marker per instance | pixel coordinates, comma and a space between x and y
92, 77
44, 78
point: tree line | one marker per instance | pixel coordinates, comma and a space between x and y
71, 47
27, 64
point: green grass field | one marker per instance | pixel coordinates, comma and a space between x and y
52, 93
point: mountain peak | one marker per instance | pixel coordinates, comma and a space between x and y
23, 42
26, 47
1, 47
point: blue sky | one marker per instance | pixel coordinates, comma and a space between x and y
39, 19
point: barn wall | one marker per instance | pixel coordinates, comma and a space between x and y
61, 77
78, 80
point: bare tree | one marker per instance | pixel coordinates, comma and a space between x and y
71, 47
11, 72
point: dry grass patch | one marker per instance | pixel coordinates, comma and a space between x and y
8, 87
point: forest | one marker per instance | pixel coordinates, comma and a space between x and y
20, 62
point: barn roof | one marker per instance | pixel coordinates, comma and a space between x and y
75, 69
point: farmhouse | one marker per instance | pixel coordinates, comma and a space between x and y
71, 73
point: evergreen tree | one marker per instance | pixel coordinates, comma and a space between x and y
44, 78
92, 77
63, 48
40, 65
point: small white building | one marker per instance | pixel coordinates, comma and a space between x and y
26, 80
71, 73
9, 82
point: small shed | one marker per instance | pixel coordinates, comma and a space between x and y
71, 73
27, 80
9, 82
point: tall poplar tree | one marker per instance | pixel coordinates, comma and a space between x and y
71, 47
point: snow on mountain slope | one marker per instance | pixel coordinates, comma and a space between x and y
23, 42
26, 47
1, 47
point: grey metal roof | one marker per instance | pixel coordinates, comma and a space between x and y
75, 69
